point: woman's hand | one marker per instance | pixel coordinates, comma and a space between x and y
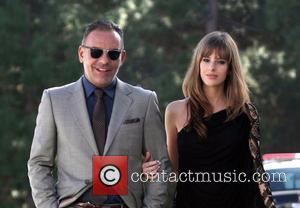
150, 167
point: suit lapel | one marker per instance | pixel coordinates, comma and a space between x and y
122, 103
79, 110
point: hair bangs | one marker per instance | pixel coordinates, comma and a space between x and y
219, 46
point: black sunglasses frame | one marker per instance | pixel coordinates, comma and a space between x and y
96, 53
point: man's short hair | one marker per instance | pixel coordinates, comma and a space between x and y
104, 25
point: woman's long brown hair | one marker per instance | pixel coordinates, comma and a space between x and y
235, 86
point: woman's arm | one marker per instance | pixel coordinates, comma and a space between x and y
171, 131
175, 118
254, 146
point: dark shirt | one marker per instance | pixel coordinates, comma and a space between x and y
108, 98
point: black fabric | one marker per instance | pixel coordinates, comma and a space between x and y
225, 151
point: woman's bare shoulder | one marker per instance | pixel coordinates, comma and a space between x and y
177, 113
177, 107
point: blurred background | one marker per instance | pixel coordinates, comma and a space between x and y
39, 41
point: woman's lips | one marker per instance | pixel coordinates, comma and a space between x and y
211, 76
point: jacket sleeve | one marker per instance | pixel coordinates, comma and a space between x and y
42, 156
254, 145
156, 193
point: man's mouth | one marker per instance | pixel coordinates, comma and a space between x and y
101, 69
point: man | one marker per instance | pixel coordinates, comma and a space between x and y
96, 115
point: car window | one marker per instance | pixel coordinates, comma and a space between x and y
284, 179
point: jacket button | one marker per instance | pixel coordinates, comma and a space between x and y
87, 181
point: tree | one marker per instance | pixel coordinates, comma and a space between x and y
39, 50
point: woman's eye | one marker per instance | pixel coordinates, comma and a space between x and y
205, 60
222, 62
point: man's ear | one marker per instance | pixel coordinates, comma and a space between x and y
123, 56
80, 54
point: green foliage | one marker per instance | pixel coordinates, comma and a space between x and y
277, 74
39, 50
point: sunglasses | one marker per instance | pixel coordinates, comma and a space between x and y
113, 54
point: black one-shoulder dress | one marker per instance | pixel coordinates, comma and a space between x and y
216, 171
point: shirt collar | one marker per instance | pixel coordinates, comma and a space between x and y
89, 87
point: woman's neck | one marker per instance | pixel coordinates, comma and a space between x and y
216, 98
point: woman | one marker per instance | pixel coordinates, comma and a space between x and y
215, 131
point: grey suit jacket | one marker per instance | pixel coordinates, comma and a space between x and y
60, 163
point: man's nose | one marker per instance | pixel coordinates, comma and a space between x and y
103, 59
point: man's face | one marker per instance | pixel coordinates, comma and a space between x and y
101, 71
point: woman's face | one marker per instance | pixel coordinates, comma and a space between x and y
213, 70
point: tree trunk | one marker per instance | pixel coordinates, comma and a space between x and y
212, 17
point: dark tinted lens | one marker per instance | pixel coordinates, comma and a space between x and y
114, 55
96, 52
